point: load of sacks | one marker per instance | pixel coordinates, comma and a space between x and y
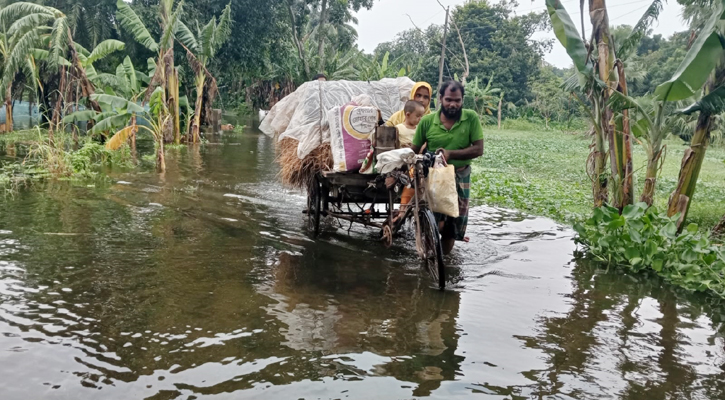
328, 126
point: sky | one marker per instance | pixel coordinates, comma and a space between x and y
387, 18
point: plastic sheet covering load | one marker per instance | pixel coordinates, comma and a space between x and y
303, 114
351, 129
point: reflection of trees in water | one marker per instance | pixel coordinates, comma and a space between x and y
602, 335
334, 304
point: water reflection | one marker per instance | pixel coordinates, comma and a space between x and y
203, 283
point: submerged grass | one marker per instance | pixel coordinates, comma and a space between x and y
63, 158
543, 173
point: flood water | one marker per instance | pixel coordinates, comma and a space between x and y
202, 283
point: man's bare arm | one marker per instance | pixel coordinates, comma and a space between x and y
475, 151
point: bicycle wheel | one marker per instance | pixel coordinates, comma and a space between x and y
432, 251
314, 200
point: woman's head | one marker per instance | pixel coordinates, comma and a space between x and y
421, 93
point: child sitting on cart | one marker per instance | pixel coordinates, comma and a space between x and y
413, 114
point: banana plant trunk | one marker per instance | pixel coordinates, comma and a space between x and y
134, 130
624, 142
681, 198
196, 121
9, 109
172, 97
603, 40
160, 159
650, 181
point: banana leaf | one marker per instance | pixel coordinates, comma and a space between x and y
700, 60
568, 36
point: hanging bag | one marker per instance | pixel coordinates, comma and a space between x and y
442, 193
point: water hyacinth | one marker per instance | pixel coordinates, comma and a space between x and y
642, 239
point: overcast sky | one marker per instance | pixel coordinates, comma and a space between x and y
387, 18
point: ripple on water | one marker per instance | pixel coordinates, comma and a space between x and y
204, 283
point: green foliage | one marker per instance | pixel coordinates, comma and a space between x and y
705, 53
131, 22
540, 172
643, 239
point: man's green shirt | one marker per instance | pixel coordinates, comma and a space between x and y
461, 136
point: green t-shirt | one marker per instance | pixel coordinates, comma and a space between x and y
461, 136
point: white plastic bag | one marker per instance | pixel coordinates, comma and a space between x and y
442, 193
393, 159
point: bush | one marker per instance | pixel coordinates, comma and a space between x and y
642, 239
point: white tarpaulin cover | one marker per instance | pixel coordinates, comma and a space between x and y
303, 114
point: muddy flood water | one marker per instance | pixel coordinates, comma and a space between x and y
203, 284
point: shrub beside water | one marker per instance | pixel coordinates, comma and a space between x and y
643, 239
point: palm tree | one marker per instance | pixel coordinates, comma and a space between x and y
200, 49
165, 75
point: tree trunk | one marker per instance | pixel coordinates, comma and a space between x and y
298, 44
443, 54
134, 130
58, 109
160, 159
681, 198
625, 140
172, 96
321, 34
9, 108
602, 38
719, 229
196, 121
650, 181
500, 100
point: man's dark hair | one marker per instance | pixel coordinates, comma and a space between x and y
318, 76
412, 105
454, 86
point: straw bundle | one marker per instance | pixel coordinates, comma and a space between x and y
297, 173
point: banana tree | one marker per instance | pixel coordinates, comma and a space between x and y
590, 87
166, 75
703, 63
200, 49
599, 87
21, 27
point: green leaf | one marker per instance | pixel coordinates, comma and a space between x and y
112, 123
657, 265
132, 23
105, 48
170, 26
631, 253
640, 30
568, 36
692, 228
635, 235
633, 211
650, 248
636, 261
130, 75
84, 115
699, 62
689, 256
712, 104
117, 103
184, 35
670, 230
616, 223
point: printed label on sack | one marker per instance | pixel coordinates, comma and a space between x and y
359, 122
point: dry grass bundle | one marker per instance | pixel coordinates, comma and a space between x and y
296, 173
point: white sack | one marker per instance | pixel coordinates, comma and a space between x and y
394, 159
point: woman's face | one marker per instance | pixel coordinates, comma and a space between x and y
422, 96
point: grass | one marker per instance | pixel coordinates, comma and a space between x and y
542, 173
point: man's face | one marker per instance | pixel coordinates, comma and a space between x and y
452, 104
422, 96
